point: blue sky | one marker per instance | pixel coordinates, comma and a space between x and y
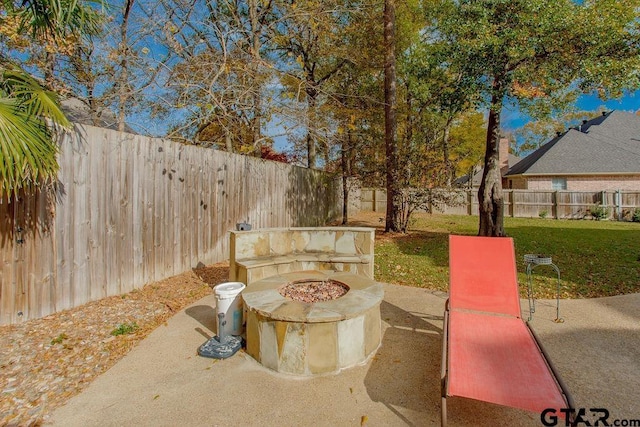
512, 118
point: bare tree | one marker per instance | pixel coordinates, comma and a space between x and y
311, 37
217, 72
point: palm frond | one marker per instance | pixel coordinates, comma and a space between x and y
33, 98
56, 18
27, 151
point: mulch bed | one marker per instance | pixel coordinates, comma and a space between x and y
44, 362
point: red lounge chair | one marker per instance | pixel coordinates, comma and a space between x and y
489, 353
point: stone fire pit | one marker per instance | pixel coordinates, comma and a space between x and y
313, 338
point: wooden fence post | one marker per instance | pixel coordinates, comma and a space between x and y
512, 206
373, 200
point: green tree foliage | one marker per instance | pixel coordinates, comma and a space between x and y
540, 53
27, 146
467, 139
439, 89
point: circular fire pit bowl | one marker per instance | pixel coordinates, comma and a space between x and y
311, 291
313, 323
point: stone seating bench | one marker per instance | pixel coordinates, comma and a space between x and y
261, 253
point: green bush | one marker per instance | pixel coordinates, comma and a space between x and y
636, 216
599, 212
543, 214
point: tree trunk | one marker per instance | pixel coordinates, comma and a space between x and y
49, 69
255, 54
393, 193
228, 143
311, 143
123, 79
490, 197
445, 152
408, 140
91, 100
345, 180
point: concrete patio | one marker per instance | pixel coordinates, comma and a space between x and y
162, 382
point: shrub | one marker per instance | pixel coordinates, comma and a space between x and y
599, 212
125, 329
636, 216
543, 214
59, 339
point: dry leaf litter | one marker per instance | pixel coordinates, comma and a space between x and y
44, 362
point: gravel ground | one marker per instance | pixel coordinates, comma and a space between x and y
44, 362
313, 291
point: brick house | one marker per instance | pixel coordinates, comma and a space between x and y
602, 154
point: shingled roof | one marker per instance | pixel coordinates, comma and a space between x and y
608, 144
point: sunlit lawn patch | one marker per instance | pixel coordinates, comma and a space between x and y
596, 258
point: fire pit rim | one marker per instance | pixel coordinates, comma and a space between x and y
264, 298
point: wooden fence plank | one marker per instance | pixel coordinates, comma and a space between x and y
199, 217
63, 222
33, 297
159, 182
112, 191
43, 262
136, 151
170, 232
97, 213
127, 265
148, 244
193, 230
8, 289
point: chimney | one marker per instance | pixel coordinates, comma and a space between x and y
604, 113
584, 122
503, 153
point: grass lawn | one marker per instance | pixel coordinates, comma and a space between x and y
596, 258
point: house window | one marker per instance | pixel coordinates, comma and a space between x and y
559, 184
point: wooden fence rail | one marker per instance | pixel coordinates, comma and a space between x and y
527, 203
131, 209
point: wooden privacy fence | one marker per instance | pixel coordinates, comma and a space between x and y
131, 209
620, 204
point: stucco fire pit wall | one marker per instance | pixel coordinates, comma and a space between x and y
308, 339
